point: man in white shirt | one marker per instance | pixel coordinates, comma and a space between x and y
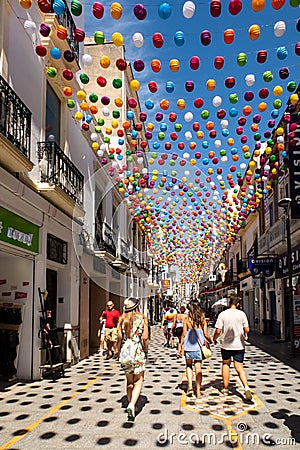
232, 325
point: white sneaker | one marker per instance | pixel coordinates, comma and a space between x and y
130, 412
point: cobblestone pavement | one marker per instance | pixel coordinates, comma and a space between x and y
85, 409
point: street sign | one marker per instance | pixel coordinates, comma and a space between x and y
265, 266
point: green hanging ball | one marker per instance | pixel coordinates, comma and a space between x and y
247, 155
291, 86
99, 37
277, 103
97, 129
223, 152
106, 140
233, 98
268, 76
273, 158
205, 114
100, 121
129, 158
270, 142
117, 83
51, 72
76, 8
70, 103
84, 78
242, 59
116, 114
257, 137
172, 162
93, 98
161, 136
111, 156
178, 127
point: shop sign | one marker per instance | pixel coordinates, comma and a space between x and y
165, 285
294, 167
18, 231
265, 266
282, 263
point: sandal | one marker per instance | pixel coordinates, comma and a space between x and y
190, 393
199, 395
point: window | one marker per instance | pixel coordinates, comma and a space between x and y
271, 209
53, 116
57, 249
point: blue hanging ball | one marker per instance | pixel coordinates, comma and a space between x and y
234, 151
179, 38
163, 127
156, 145
149, 104
225, 132
121, 141
233, 112
120, 157
205, 144
170, 86
275, 113
59, 7
164, 11
134, 134
55, 53
205, 161
130, 115
88, 118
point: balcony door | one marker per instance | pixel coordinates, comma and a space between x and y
53, 116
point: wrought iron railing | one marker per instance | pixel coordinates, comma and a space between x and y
58, 169
15, 119
67, 21
124, 253
105, 237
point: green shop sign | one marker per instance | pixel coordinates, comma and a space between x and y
18, 231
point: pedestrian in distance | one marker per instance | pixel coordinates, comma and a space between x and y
111, 316
177, 329
232, 327
169, 317
132, 351
101, 336
195, 334
164, 326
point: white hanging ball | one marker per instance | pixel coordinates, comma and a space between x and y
190, 206
250, 79
188, 10
188, 135
144, 170
224, 159
140, 160
146, 190
175, 187
218, 143
243, 166
138, 40
103, 147
51, 138
224, 124
264, 178
186, 155
87, 60
188, 117
122, 176
100, 152
280, 139
217, 101
267, 167
105, 112
94, 136
29, 26
186, 173
114, 164
212, 183
279, 28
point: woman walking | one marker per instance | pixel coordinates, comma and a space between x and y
177, 329
194, 336
132, 350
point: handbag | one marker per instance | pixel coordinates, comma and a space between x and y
128, 353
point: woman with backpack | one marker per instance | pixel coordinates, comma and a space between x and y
132, 350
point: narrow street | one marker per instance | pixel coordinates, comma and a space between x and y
85, 409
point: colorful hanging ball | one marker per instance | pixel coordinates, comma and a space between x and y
195, 62
99, 37
79, 35
217, 101
188, 9
118, 102
104, 62
105, 100
267, 76
181, 104
135, 85
277, 104
51, 72
116, 10
250, 79
233, 98
121, 64
291, 86
235, 7
164, 11
158, 40
76, 8
210, 85
215, 8
172, 117
277, 4
70, 103
26, 4
59, 7
198, 103
69, 56
277, 91
174, 65
233, 112
189, 86
261, 56
101, 81
230, 82
263, 93
155, 65
138, 40
140, 11
258, 5
45, 29
170, 87
84, 78
98, 10
248, 96
279, 28
179, 38
152, 86
87, 59
41, 51
254, 32
45, 6
297, 48
229, 36
164, 104
61, 32
68, 74
55, 53
242, 59
117, 39
117, 83
219, 62
282, 53
205, 37
149, 104
138, 65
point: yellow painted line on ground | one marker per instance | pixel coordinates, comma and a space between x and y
53, 410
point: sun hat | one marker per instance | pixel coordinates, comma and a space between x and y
130, 304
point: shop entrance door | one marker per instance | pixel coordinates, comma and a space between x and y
51, 300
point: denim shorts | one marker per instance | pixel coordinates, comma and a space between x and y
237, 355
194, 356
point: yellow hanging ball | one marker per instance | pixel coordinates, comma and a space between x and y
279, 131
181, 103
200, 134
104, 62
174, 65
78, 115
294, 98
252, 164
114, 123
118, 102
277, 91
81, 95
268, 150
151, 161
150, 126
117, 39
116, 10
135, 85
230, 141
262, 107
210, 85
108, 131
95, 146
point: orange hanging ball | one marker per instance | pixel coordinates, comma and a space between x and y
210, 84
61, 32
164, 104
254, 32
105, 62
229, 36
277, 4
68, 91
26, 4
247, 110
258, 5
174, 65
116, 10
155, 65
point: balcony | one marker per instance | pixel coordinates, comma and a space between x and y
105, 241
242, 267
60, 181
15, 130
122, 263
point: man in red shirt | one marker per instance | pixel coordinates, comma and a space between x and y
111, 315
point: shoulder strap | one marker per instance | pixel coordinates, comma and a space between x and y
199, 342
